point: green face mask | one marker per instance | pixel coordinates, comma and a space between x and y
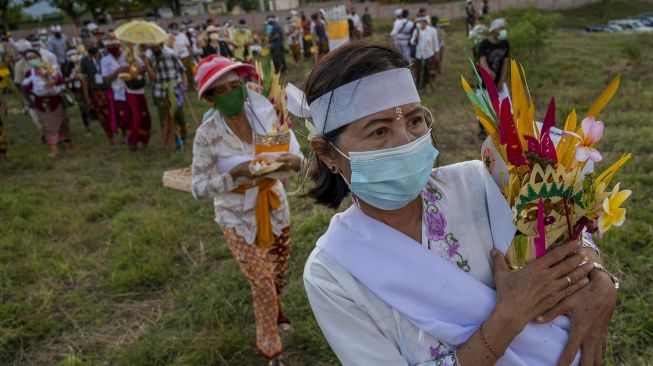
503, 35
231, 103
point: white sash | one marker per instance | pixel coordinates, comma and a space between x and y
431, 293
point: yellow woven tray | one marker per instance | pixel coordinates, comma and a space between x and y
178, 179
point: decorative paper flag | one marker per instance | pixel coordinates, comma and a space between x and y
337, 27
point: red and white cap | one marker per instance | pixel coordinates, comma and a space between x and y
212, 68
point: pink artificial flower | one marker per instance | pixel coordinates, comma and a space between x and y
592, 133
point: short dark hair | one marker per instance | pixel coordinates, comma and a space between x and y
405, 13
347, 63
32, 50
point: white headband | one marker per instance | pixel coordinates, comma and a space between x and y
355, 100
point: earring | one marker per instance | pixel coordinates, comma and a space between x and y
333, 169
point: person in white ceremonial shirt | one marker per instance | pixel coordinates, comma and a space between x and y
409, 273
58, 44
184, 49
138, 114
111, 69
401, 31
426, 42
49, 58
45, 85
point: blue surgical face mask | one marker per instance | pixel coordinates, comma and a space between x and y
503, 34
389, 179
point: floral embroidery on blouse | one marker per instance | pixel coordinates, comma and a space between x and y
442, 355
446, 244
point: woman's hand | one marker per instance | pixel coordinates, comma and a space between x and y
289, 161
540, 285
520, 295
254, 87
590, 309
241, 170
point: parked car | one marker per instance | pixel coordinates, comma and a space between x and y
646, 20
615, 28
632, 25
607, 28
596, 28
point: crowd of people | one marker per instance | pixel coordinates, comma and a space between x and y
421, 41
422, 222
308, 38
106, 78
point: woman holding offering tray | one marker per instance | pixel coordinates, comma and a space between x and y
250, 207
409, 274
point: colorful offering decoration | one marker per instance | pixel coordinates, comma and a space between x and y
546, 174
278, 138
261, 166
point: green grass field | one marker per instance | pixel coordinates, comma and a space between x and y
101, 265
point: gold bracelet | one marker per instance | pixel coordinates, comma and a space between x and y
614, 278
487, 344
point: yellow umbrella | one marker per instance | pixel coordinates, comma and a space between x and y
140, 32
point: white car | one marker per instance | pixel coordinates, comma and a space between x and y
631, 25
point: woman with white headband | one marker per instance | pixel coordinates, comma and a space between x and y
408, 274
252, 211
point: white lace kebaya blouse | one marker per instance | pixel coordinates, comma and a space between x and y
216, 150
361, 328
